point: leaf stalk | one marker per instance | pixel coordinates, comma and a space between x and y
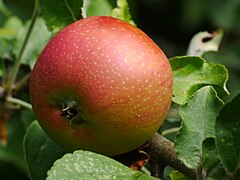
17, 63
19, 102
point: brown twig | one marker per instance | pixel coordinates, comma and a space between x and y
157, 168
163, 150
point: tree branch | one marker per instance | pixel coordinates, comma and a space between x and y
163, 149
157, 168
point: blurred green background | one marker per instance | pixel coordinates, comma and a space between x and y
171, 24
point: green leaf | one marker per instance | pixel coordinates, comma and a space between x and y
176, 175
229, 57
210, 156
226, 15
122, 12
2, 70
203, 42
40, 152
217, 173
9, 166
97, 7
10, 28
198, 124
227, 136
8, 35
60, 13
6, 48
192, 72
211, 161
12, 152
4, 10
87, 165
37, 41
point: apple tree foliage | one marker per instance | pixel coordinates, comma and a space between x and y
207, 138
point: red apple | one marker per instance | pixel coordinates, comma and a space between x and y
102, 85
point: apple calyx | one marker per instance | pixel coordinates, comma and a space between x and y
71, 113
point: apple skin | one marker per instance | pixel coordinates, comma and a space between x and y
102, 85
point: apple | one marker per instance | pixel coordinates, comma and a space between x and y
101, 85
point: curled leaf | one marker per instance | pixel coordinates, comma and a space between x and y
192, 73
204, 41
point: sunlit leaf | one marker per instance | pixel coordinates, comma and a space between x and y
37, 41
192, 72
176, 175
122, 12
8, 35
97, 7
87, 165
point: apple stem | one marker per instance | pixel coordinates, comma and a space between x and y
163, 151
